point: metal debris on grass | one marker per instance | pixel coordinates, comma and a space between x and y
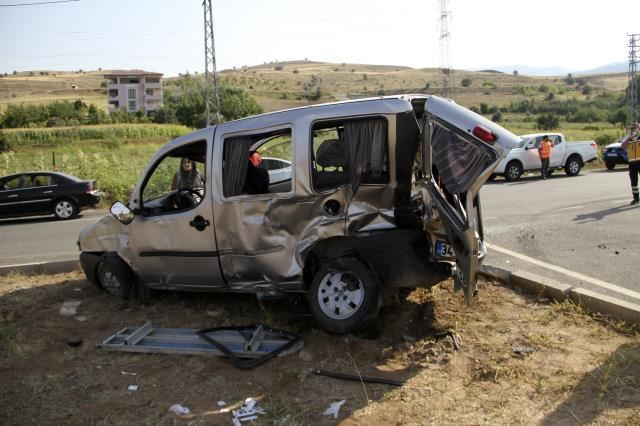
248, 412
179, 410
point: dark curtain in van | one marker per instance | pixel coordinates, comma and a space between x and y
458, 161
235, 162
366, 141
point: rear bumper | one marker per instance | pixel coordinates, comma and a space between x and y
89, 199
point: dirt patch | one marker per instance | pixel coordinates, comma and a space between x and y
511, 359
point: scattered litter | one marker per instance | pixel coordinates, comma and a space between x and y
124, 373
74, 342
221, 403
454, 338
305, 355
77, 289
133, 388
248, 412
82, 318
334, 409
69, 308
522, 350
179, 410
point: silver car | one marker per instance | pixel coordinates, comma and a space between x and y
382, 193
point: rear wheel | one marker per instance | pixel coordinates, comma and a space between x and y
115, 276
573, 166
65, 209
513, 171
344, 295
610, 165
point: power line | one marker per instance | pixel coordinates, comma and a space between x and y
38, 3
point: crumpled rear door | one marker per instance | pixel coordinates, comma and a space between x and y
460, 151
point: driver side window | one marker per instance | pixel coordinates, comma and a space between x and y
177, 182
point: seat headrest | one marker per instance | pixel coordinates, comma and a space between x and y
332, 153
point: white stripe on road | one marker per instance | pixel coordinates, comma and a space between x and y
577, 275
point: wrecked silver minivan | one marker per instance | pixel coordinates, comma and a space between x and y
381, 193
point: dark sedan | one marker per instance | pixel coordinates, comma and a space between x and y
614, 154
40, 193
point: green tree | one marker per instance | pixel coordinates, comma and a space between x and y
620, 116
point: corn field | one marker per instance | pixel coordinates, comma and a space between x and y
63, 135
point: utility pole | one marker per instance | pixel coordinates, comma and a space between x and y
632, 88
210, 75
445, 60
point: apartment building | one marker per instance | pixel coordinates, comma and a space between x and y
134, 90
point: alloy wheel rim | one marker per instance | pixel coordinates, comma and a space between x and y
64, 209
335, 298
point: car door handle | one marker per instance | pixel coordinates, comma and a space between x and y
13, 196
199, 223
47, 192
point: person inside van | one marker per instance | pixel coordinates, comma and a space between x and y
257, 180
187, 176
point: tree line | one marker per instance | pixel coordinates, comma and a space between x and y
184, 103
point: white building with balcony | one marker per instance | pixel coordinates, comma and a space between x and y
134, 90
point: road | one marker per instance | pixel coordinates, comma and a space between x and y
40, 239
577, 230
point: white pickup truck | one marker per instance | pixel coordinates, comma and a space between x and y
571, 156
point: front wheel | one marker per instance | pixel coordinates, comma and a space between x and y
513, 171
65, 209
573, 166
115, 276
610, 165
344, 295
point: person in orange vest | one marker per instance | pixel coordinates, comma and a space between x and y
631, 143
544, 151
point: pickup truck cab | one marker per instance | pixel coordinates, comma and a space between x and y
570, 156
382, 193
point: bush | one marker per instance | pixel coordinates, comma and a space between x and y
497, 117
466, 82
604, 139
278, 68
4, 146
548, 121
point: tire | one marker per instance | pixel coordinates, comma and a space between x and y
513, 171
344, 295
610, 165
115, 277
65, 209
573, 166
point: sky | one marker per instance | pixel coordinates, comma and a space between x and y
167, 36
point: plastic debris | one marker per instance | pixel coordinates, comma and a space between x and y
124, 373
221, 403
69, 308
334, 409
133, 388
180, 410
248, 412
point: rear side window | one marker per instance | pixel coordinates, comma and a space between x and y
350, 151
258, 164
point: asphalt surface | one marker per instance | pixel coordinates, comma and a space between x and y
42, 239
577, 230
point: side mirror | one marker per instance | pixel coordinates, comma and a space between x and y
122, 213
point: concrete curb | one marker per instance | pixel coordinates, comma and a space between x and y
47, 268
554, 290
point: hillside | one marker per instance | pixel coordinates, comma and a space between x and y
296, 83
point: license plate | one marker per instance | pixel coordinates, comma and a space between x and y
612, 154
443, 249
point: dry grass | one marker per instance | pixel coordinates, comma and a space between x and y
579, 367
